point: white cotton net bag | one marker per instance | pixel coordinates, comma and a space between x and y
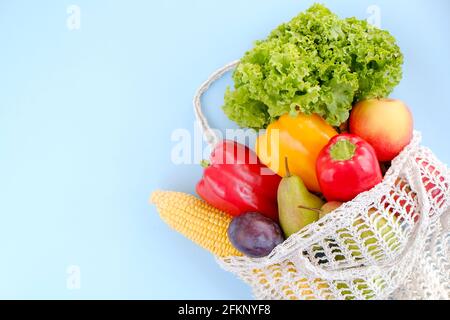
392, 242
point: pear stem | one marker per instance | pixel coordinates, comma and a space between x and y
312, 209
288, 173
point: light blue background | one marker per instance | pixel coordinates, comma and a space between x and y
85, 124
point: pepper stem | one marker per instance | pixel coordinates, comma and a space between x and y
342, 150
288, 173
205, 164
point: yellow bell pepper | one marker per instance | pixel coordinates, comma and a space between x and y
300, 139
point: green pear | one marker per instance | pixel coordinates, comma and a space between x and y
366, 235
361, 287
369, 238
297, 207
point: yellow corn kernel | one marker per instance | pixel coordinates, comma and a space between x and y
196, 220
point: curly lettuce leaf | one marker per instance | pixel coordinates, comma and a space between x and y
316, 63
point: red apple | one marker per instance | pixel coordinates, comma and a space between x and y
436, 186
387, 124
399, 202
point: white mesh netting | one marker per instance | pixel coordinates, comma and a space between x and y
392, 242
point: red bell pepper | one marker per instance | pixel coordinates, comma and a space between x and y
347, 166
235, 181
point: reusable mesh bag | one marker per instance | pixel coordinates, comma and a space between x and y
392, 242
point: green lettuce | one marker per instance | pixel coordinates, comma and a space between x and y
316, 63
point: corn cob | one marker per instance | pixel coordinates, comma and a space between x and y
196, 220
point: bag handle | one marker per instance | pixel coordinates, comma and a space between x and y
209, 134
